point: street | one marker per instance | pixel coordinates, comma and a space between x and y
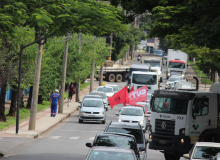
67, 140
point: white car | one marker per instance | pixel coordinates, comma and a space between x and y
132, 114
114, 86
92, 109
203, 150
171, 80
183, 85
102, 94
108, 90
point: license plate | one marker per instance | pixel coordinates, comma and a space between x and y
91, 115
162, 141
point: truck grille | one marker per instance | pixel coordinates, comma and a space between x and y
169, 129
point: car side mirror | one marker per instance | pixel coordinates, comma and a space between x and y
79, 102
117, 114
89, 145
79, 106
161, 79
186, 156
106, 106
146, 115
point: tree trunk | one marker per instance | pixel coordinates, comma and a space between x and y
29, 98
13, 106
2, 102
40, 99
22, 99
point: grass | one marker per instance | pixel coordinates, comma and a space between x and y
84, 85
24, 113
203, 75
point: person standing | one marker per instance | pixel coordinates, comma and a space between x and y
54, 101
72, 91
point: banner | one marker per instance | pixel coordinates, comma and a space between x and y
137, 95
132, 89
119, 97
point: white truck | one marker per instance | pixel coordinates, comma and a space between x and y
181, 118
176, 62
140, 79
155, 61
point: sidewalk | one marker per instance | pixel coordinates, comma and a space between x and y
190, 73
43, 120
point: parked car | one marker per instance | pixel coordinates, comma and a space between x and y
104, 153
102, 94
108, 90
92, 109
203, 150
171, 80
120, 140
114, 86
183, 85
134, 129
132, 114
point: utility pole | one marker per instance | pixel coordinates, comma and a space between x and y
110, 45
101, 75
63, 78
93, 68
35, 92
78, 84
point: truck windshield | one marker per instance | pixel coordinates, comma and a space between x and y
169, 105
144, 79
153, 64
176, 65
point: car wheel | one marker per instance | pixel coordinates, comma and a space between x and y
103, 122
80, 121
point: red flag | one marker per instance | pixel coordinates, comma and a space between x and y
119, 97
132, 89
137, 95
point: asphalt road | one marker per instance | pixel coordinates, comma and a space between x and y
67, 140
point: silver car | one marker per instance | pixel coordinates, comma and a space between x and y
103, 95
92, 109
114, 86
108, 90
171, 80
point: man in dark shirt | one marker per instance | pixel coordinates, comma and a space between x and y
55, 99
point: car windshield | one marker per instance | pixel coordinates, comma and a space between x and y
169, 105
144, 79
92, 103
205, 152
137, 133
106, 90
116, 141
103, 95
172, 79
176, 65
115, 88
132, 112
153, 64
108, 155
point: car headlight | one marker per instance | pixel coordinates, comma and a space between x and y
119, 120
168, 74
182, 75
141, 122
159, 73
101, 113
83, 112
167, 83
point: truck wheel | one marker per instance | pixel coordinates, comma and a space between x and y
171, 156
111, 77
118, 78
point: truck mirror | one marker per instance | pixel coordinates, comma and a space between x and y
161, 79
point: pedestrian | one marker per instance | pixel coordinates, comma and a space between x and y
72, 91
54, 101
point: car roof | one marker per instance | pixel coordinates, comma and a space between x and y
131, 107
97, 92
99, 98
115, 134
103, 87
209, 144
92, 96
111, 85
141, 72
113, 149
139, 66
125, 125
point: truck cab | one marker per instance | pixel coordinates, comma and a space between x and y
181, 118
176, 66
156, 65
140, 79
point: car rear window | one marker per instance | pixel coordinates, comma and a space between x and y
137, 133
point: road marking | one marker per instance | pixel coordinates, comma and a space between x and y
74, 138
91, 138
54, 137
